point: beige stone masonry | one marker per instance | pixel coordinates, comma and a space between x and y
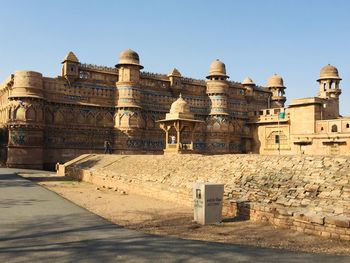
305, 193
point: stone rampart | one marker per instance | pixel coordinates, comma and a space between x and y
310, 194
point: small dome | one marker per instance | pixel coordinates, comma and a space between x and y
329, 72
275, 82
248, 81
129, 57
71, 57
175, 73
180, 106
217, 68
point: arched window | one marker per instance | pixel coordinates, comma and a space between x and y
321, 128
347, 126
30, 114
20, 114
334, 128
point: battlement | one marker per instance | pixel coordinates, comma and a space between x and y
194, 81
185, 80
93, 67
158, 76
269, 115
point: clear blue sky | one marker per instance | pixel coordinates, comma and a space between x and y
293, 38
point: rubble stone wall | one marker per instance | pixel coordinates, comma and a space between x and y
310, 194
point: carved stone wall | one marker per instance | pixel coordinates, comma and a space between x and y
48, 120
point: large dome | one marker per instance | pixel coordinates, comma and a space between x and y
180, 106
275, 81
129, 57
217, 69
329, 72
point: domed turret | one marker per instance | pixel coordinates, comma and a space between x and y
129, 67
218, 93
217, 88
329, 72
129, 57
180, 106
249, 85
217, 69
329, 82
276, 86
275, 81
179, 110
248, 81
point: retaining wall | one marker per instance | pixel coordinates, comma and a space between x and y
310, 194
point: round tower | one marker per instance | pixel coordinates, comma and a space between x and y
218, 120
26, 121
329, 81
128, 80
276, 86
217, 88
330, 91
129, 110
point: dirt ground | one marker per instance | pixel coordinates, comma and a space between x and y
154, 216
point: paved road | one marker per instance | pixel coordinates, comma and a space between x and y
37, 225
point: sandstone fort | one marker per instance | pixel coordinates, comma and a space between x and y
47, 120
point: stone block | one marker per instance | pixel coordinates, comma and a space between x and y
339, 221
326, 234
311, 231
335, 236
284, 212
344, 237
314, 218
338, 210
305, 202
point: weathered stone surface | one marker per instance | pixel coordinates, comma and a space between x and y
340, 221
262, 187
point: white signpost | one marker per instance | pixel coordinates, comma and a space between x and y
207, 201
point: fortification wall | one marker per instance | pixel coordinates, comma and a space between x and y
310, 194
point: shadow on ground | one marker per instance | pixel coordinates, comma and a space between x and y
80, 238
58, 231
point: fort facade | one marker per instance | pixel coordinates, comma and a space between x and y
47, 120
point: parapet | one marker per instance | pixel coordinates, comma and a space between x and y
305, 101
27, 84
